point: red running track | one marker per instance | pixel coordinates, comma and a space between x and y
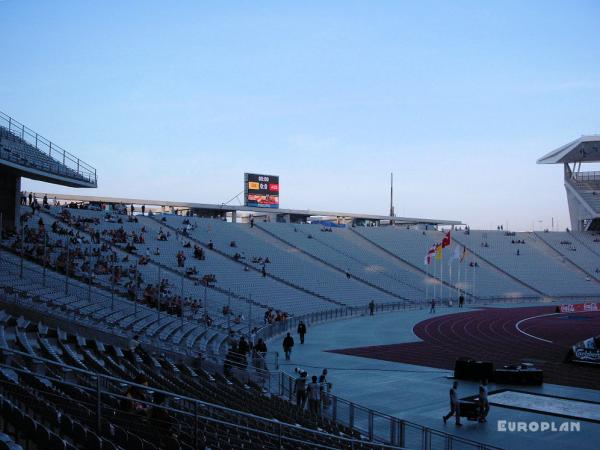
491, 335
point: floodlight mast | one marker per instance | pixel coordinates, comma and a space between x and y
392, 194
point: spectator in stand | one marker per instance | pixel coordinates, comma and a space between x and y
230, 360
325, 388
301, 390
260, 347
301, 331
288, 344
160, 419
134, 343
243, 347
314, 396
136, 396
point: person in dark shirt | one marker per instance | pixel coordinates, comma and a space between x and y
301, 331
288, 344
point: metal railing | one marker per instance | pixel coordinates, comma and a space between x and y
60, 161
380, 427
190, 414
376, 425
44, 277
587, 176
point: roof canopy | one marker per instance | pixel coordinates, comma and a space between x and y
584, 149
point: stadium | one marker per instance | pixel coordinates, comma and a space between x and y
142, 324
399, 267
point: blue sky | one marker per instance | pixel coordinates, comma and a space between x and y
176, 100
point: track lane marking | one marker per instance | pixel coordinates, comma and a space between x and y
531, 335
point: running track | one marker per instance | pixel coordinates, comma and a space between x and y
491, 335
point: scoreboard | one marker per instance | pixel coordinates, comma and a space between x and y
261, 191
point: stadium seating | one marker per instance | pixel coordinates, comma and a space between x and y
50, 402
14, 148
412, 246
286, 262
524, 257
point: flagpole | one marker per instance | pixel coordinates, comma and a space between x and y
450, 277
458, 283
427, 285
473, 283
434, 276
441, 277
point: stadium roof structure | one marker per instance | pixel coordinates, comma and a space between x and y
583, 149
222, 209
24, 152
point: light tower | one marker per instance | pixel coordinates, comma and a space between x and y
392, 194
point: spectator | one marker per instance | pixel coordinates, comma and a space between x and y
160, 418
243, 347
134, 343
371, 307
301, 390
260, 347
461, 301
432, 308
325, 388
288, 344
314, 396
301, 331
136, 395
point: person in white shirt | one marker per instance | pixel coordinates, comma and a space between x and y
314, 396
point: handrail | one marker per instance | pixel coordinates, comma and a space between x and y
176, 397
373, 415
57, 153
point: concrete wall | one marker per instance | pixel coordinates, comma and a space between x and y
10, 197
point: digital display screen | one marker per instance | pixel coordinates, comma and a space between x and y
261, 191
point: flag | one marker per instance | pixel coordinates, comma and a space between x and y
438, 251
463, 254
447, 240
429, 255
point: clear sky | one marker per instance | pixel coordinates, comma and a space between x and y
176, 100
